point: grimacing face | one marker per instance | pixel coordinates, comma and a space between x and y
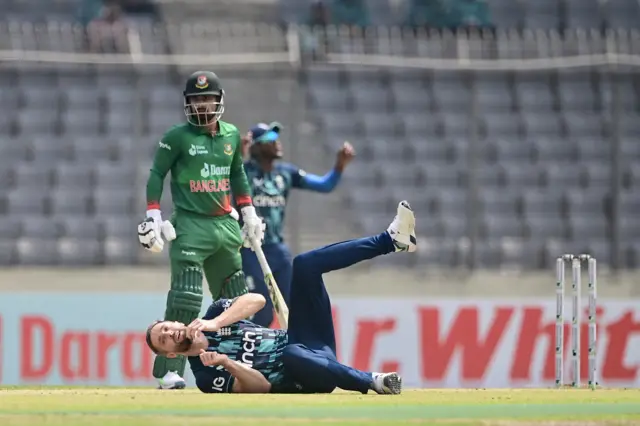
170, 338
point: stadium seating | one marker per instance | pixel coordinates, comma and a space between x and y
526, 170
543, 173
538, 14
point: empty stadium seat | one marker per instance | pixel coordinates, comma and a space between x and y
28, 177
79, 227
112, 201
78, 252
71, 201
582, 14
36, 251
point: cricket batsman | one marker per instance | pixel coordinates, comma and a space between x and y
227, 353
204, 156
271, 182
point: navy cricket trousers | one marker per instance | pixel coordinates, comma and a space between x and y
279, 259
310, 358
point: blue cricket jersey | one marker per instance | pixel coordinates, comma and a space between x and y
270, 192
246, 342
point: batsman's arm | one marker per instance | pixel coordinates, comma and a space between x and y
165, 156
239, 182
247, 380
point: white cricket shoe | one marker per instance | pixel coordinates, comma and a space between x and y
387, 383
403, 229
172, 380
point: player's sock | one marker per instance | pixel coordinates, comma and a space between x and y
387, 383
403, 229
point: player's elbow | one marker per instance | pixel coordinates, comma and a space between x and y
205, 389
261, 386
205, 384
324, 189
156, 175
258, 300
252, 302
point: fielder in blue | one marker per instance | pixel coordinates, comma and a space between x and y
228, 353
271, 181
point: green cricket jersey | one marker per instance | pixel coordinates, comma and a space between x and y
205, 169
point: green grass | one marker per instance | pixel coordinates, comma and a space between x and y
137, 406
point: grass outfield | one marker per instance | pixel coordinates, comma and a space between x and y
118, 407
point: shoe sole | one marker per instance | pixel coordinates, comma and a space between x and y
180, 385
393, 383
412, 238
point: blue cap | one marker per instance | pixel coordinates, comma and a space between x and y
263, 132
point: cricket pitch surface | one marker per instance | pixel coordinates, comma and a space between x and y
27, 406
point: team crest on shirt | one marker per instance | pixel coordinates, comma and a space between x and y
227, 149
201, 82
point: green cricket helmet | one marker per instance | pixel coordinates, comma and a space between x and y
203, 98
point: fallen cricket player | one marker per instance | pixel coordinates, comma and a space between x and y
227, 353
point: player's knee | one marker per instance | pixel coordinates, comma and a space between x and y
303, 263
187, 278
184, 300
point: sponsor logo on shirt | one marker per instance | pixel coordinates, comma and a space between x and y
197, 150
164, 145
212, 170
218, 384
269, 201
248, 347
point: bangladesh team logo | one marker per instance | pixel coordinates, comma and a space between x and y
227, 149
201, 82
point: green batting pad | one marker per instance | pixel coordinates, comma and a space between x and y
234, 286
183, 305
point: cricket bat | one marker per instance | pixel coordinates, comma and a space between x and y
279, 305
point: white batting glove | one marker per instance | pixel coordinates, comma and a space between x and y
253, 228
234, 214
151, 230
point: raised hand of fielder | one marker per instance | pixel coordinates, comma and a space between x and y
246, 144
344, 156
